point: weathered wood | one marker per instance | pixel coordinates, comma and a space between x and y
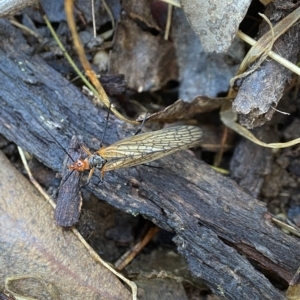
31, 244
11, 7
250, 163
217, 224
261, 90
69, 200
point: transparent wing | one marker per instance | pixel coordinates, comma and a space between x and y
146, 147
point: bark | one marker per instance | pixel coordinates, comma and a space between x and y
219, 227
261, 90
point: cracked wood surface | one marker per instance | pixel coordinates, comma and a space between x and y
218, 226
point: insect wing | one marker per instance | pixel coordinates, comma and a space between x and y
150, 146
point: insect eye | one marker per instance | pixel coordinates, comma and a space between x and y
79, 163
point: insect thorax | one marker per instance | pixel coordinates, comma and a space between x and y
97, 161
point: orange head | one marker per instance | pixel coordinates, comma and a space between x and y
80, 165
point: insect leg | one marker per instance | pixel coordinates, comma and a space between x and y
142, 125
86, 150
90, 174
89, 178
102, 174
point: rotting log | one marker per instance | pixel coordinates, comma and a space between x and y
219, 227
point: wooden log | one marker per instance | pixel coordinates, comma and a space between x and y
219, 227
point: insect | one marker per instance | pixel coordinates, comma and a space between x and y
139, 149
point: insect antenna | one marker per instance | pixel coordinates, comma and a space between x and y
66, 179
50, 134
107, 117
66, 214
142, 125
69, 200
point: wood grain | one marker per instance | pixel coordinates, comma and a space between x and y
219, 227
